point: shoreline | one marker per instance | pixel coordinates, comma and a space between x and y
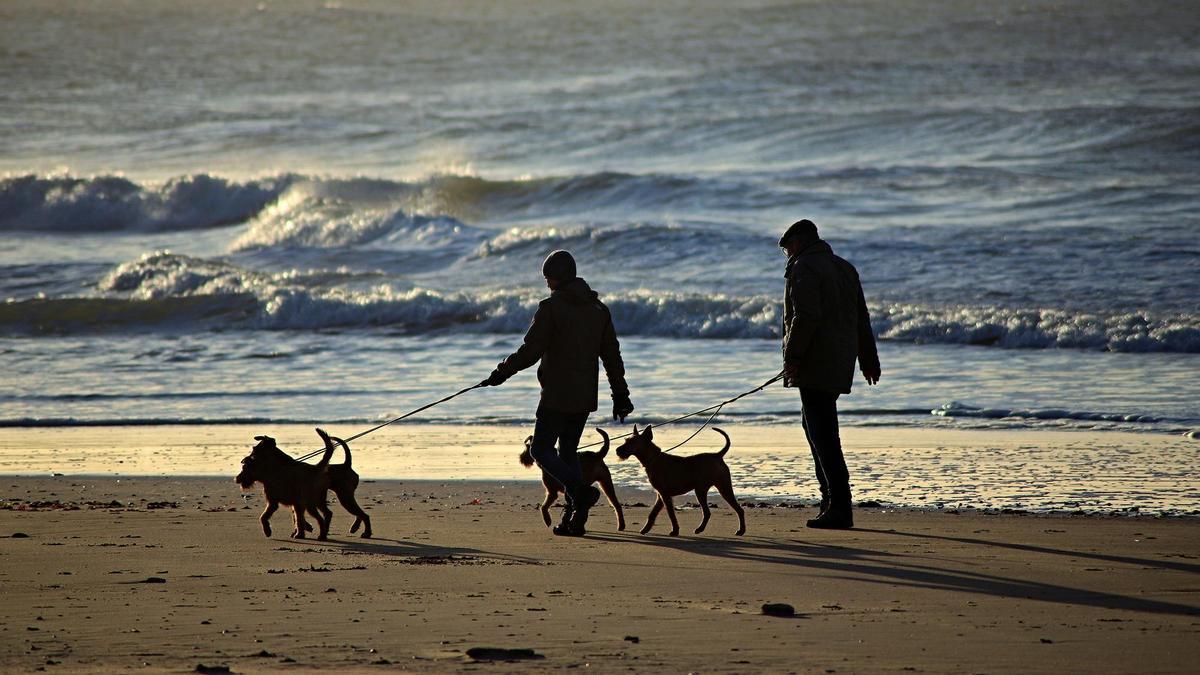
1065, 472
182, 576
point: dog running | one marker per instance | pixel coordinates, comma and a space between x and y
671, 475
594, 470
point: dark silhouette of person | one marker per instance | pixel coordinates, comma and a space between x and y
826, 327
570, 331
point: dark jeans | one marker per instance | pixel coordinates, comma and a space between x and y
564, 429
819, 420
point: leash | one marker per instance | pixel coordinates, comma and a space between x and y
715, 408
410, 413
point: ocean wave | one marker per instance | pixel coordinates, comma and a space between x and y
303, 219
112, 203
162, 288
1038, 328
957, 409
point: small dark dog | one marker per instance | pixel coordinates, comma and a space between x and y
594, 470
344, 481
290, 482
671, 475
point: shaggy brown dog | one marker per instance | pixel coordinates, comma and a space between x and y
344, 481
594, 470
671, 475
290, 482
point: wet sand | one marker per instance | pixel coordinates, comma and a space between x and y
167, 574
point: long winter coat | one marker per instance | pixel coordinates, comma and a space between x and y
825, 321
570, 331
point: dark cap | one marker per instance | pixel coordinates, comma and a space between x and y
559, 266
805, 229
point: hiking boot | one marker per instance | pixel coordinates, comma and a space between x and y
567, 530
836, 517
564, 528
587, 498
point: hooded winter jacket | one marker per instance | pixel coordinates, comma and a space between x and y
825, 321
570, 331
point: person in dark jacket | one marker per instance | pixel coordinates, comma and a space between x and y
826, 327
570, 331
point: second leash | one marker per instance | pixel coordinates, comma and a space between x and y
714, 408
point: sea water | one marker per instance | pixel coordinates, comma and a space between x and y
336, 212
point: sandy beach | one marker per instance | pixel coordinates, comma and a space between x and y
168, 573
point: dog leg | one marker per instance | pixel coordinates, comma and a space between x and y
610, 493
725, 487
265, 518
670, 503
326, 516
316, 511
551, 497
360, 516
301, 524
702, 497
653, 514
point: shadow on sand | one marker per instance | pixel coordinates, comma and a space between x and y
883, 567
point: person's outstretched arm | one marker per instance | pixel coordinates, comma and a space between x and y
537, 340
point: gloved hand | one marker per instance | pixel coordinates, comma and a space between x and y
622, 407
790, 371
494, 380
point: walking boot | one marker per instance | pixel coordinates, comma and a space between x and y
563, 528
584, 501
837, 516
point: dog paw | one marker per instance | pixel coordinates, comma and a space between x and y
698, 530
740, 532
621, 527
674, 533
644, 530
266, 530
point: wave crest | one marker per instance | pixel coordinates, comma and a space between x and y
113, 203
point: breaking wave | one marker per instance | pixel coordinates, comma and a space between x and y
160, 289
113, 203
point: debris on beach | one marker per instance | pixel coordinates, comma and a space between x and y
778, 609
502, 654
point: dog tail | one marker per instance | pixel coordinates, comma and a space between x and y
727, 442
328, 448
527, 454
345, 448
604, 450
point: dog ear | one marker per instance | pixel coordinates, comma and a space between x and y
635, 431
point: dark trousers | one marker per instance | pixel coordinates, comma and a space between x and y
563, 429
819, 420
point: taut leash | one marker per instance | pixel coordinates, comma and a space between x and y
410, 413
714, 408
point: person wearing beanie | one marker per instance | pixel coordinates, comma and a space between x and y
826, 327
571, 333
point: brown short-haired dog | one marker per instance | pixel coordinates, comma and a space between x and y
594, 470
290, 482
344, 481
671, 475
